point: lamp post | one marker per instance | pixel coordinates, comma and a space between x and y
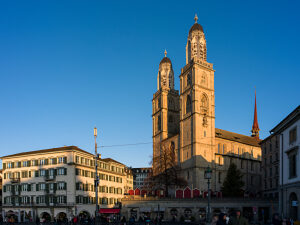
96, 176
207, 175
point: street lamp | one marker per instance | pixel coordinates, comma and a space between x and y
96, 175
207, 175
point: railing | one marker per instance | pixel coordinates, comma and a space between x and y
49, 178
14, 180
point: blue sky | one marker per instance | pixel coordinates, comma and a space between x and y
67, 66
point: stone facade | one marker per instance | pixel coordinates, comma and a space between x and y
60, 182
289, 170
187, 120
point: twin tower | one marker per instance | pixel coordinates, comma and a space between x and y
186, 119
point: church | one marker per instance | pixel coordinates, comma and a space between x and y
185, 119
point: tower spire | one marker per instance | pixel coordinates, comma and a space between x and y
196, 18
165, 52
255, 127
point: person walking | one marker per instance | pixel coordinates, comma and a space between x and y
238, 219
222, 219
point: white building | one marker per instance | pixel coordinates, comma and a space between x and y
289, 178
59, 182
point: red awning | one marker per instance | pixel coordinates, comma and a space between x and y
109, 211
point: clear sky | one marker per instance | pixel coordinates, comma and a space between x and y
67, 66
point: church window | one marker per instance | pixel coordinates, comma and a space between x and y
189, 78
224, 148
188, 104
171, 103
203, 79
159, 123
204, 134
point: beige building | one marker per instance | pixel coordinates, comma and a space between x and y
59, 182
187, 118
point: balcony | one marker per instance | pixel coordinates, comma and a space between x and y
15, 180
49, 178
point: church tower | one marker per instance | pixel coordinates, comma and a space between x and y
255, 127
165, 107
197, 104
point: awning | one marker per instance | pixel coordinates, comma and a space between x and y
109, 211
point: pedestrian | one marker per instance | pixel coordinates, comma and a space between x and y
238, 219
222, 219
275, 220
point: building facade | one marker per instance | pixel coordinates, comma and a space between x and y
270, 166
186, 120
140, 177
289, 175
59, 182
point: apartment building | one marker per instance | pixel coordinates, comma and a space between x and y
270, 166
59, 182
140, 176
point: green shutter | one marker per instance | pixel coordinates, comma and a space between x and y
77, 186
65, 199
29, 174
4, 166
65, 159
55, 161
28, 163
47, 173
55, 186
4, 188
65, 186
77, 199
19, 165
36, 162
37, 188
46, 161
77, 171
47, 199
28, 187
36, 173
54, 199
55, 172
37, 200
4, 175
65, 169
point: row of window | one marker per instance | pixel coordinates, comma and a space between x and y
92, 200
90, 162
222, 149
41, 199
104, 189
35, 187
91, 174
36, 162
271, 159
37, 173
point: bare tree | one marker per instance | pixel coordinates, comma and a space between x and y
165, 170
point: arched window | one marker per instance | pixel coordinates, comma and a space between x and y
203, 79
171, 103
188, 104
158, 123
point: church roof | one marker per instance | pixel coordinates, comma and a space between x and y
237, 137
196, 26
165, 60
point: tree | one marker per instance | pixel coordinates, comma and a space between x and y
165, 170
233, 183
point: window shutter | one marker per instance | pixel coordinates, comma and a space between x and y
5, 200
37, 200
47, 187
29, 174
77, 171
12, 165
36, 162
65, 199
65, 171
46, 161
36, 173
4, 188
77, 186
65, 159
37, 188
55, 186
28, 187
28, 163
55, 161
19, 165
4, 166
77, 199
65, 186
54, 199
47, 199
4, 175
